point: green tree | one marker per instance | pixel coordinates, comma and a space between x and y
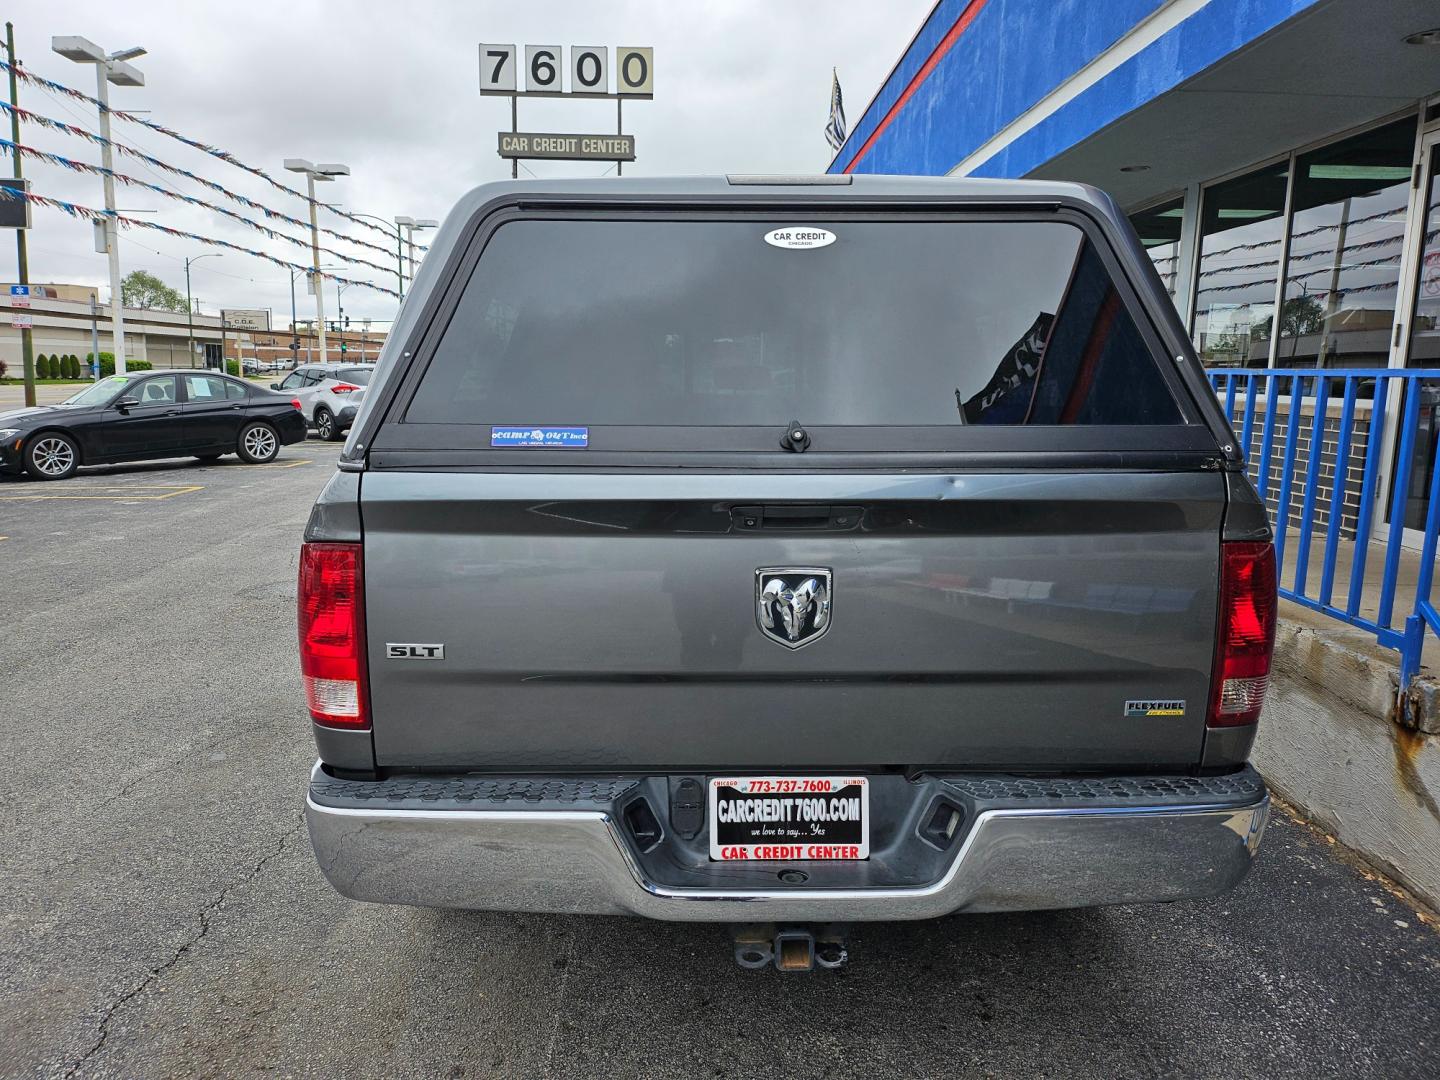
139, 289
1298, 315
42, 366
73, 370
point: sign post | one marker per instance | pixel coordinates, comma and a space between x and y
589, 78
238, 319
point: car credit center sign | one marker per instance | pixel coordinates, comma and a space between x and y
544, 76
520, 144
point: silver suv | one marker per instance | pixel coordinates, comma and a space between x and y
329, 395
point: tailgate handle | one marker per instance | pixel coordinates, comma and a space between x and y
781, 516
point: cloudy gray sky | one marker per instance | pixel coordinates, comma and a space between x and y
392, 90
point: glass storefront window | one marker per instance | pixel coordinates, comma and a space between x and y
1424, 352
1346, 234
1242, 223
1159, 230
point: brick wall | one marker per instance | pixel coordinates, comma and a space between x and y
1354, 464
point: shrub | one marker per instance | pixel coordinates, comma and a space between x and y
74, 366
42, 366
107, 363
232, 367
4, 367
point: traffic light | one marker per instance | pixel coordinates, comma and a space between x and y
344, 348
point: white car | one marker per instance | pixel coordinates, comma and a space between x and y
329, 394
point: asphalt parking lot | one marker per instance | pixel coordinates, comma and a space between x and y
162, 915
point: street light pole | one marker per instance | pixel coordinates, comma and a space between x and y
399, 247
109, 67
410, 225
190, 304
313, 173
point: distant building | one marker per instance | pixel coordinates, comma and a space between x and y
67, 317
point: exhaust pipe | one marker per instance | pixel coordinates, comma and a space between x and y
791, 949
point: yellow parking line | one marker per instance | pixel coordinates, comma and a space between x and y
287, 465
118, 493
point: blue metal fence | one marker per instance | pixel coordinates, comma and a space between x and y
1330, 464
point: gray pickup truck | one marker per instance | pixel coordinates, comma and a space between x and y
786, 552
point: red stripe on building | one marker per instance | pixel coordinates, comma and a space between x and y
951, 36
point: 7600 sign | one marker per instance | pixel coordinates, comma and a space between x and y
589, 71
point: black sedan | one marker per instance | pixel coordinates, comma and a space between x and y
146, 415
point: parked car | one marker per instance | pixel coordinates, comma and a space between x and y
329, 394
146, 415
787, 553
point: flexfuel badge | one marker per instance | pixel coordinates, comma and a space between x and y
1154, 708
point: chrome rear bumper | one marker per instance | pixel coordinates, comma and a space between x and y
580, 862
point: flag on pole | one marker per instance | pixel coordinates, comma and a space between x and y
835, 129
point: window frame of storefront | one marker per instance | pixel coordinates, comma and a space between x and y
1188, 261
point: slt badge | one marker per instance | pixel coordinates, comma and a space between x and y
792, 603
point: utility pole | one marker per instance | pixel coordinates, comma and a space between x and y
109, 67
27, 341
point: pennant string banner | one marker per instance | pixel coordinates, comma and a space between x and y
90, 214
36, 120
97, 170
59, 88
1258, 244
1349, 249
1386, 260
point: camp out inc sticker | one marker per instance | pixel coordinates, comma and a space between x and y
800, 237
1154, 708
563, 438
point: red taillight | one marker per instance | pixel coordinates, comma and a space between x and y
332, 634
343, 388
296, 402
1244, 635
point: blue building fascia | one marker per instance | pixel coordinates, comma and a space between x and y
989, 61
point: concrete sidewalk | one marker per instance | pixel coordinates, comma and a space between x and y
1332, 739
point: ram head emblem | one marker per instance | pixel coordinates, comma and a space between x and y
792, 604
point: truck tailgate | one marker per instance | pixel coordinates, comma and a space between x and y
596, 622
